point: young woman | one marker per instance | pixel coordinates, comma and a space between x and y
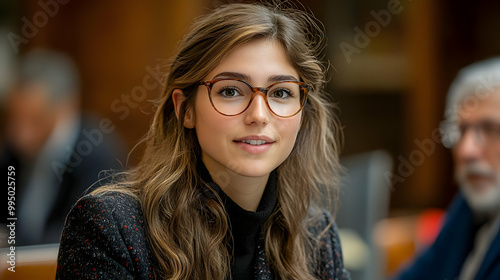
240, 154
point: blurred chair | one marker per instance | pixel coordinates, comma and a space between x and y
31, 262
364, 200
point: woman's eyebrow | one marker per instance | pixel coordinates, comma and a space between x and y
235, 75
245, 77
279, 78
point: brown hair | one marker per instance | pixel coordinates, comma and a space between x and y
188, 241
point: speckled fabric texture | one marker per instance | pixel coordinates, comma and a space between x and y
104, 238
331, 266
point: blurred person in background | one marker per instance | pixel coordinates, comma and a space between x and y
468, 246
57, 152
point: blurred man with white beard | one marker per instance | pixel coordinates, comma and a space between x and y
468, 246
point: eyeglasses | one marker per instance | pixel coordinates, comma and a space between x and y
231, 97
484, 132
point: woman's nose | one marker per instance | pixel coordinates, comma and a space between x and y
257, 112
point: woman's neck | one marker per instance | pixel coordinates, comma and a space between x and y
243, 190
246, 191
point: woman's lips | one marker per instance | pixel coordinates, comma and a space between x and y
255, 137
254, 144
254, 149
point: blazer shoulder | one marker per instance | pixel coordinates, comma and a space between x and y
121, 207
113, 199
104, 238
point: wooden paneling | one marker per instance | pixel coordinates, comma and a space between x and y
423, 105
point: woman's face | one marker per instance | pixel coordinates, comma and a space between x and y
222, 138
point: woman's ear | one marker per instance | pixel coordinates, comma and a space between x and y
178, 98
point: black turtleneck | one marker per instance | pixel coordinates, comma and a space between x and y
245, 225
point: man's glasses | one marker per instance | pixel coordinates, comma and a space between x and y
484, 132
231, 97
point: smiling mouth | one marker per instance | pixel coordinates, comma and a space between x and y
254, 142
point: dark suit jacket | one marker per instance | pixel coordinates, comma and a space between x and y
444, 259
76, 179
104, 238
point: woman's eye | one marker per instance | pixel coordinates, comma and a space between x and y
281, 93
229, 92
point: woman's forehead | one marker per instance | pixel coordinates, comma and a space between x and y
257, 61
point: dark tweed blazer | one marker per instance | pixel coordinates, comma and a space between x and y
104, 238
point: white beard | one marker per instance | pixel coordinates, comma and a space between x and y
486, 200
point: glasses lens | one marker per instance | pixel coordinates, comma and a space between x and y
483, 132
285, 99
231, 97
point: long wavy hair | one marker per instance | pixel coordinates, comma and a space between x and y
187, 232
